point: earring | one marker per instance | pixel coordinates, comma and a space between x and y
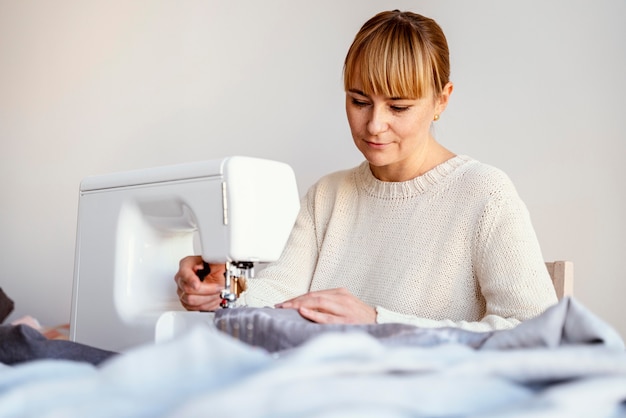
436, 118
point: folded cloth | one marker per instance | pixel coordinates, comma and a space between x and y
566, 323
281, 329
6, 305
21, 343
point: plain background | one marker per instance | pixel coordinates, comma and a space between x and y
92, 87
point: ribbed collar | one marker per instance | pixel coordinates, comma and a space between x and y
403, 189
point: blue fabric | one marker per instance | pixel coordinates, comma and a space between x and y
335, 374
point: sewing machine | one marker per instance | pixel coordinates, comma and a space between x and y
134, 227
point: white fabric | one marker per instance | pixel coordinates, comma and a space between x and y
453, 247
207, 373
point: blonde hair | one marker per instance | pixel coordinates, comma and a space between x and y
398, 54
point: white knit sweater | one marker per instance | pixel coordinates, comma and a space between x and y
453, 247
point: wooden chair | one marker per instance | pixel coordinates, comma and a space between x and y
562, 274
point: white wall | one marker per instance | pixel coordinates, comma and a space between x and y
102, 86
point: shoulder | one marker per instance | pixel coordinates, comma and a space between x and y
484, 178
479, 171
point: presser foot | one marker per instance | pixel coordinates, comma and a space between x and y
235, 281
227, 299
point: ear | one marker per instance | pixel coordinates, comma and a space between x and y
444, 98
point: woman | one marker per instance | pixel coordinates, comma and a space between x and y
415, 234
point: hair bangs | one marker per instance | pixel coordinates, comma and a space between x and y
390, 65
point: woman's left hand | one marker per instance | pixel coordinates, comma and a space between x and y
333, 306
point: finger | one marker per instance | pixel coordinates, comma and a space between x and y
307, 298
217, 269
190, 264
193, 302
186, 277
319, 317
216, 274
188, 283
334, 306
298, 301
202, 289
210, 306
324, 303
327, 293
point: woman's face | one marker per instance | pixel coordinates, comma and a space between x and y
393, 133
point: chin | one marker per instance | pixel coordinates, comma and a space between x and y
376, 160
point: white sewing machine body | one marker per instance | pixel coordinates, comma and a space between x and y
135, 226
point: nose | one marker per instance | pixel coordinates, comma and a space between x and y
377, 122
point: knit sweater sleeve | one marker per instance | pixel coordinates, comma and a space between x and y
508, 265
488, 323
291, 274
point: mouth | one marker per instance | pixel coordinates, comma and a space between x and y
375, 145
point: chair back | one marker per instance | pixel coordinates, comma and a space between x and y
562, 274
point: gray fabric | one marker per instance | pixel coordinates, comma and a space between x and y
281, 329
21, 343
566, 323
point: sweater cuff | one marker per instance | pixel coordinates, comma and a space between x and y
385, 316
487, 324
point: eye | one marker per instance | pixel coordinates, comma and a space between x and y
399, 109
359, 103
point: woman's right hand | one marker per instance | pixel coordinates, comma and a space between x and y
197, 295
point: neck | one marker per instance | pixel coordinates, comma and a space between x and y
428, 158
